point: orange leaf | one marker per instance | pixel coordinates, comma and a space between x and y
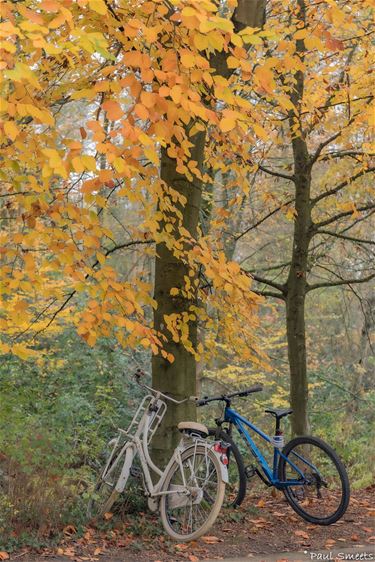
302, 534
4, 555
211, 539
148, 99
141, 111
113, 109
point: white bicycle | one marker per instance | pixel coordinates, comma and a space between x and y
189, 492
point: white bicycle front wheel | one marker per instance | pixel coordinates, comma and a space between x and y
197, 494
105, 493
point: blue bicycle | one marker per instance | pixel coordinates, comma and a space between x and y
307, 470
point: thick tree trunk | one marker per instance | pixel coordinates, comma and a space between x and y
177, 378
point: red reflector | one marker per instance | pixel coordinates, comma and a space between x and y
224, 459
220, 447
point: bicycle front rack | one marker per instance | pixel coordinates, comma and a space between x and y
158, 410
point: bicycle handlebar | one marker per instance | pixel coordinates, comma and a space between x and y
226, 397
139, 373
199, 402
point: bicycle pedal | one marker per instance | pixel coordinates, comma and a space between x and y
250, 471
135, 472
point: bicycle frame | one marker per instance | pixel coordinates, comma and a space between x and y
271, 473
138, 444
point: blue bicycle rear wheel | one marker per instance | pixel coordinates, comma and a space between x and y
322, 495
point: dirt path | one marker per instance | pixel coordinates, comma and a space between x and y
264, 526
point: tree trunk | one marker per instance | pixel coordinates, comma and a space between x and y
296, 283
178, 378
296, 290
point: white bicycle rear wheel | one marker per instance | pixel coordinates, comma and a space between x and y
192, 510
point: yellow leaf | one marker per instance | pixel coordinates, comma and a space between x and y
232, 62
227, 124
300, 34
98, 6
23, 352
176, 94
145, 342
260, 132
187, 60
174, 291
200, 41
11, 130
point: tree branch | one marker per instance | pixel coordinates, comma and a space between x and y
344, 154
339, 282
276, 174
350, 238
341, 185
318, 225
260, 221
323, 144
269, 282
269, 294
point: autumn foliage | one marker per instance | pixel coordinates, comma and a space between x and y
92, 90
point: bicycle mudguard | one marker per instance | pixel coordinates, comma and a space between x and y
129, 457
223, 467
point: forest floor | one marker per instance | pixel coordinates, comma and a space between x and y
264, 526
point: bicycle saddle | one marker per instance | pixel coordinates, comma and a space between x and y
193, 427
279, 413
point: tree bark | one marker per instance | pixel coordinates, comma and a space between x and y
296, 291
178, 378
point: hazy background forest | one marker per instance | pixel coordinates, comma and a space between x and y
65, 377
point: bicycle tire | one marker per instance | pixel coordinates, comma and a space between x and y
291, 497
240, 477
175, 467
95, 508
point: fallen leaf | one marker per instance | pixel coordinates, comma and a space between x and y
354, 538
108, 516
302, 534
193, 558
211, 539
70, 530
4, 555
261, 503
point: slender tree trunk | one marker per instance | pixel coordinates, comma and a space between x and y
296, 283
178, 378
296, 291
